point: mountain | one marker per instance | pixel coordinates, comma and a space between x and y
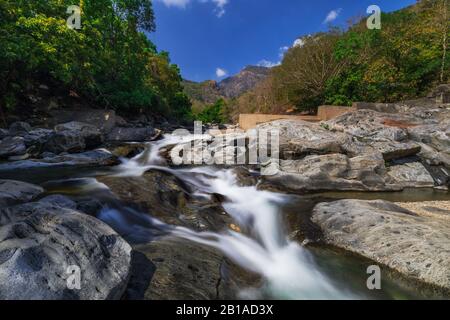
208, 92
244, 81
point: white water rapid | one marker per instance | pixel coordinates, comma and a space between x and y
287, 267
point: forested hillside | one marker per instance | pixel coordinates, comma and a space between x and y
109, 62
403, 60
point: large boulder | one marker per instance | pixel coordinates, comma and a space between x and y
171, 268
414, 245
19, 128
131, 134
12, 146
41, 242
104, 120
299, 138
435, 136
65, 141
369, 125
16, 192
37, 137
413, 175
330, 172
92, 136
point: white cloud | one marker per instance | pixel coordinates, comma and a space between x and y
175, 3
220, 73
268, 64
298, 43
332, 15
219, 10
220, 7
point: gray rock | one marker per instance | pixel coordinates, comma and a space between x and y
436, 136
37, 137
19, 128
392, 150
65, 141
104, 120
60, 201
416, 246
16, 192
91, 135
12, 146
330, 172
77, 160
39, 242
3, 133
413, 175
179, 269
131, 134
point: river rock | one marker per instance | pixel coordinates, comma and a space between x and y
12, 146
168, 199
91, 135
417, 246
131, 134
413, 175
436, 136
370, 125
77, 160
37, 137
60, 200
19, 128
104, 120
65, 141
330, 172
3, 133
16, 192
177, 269
392, 150
39, 242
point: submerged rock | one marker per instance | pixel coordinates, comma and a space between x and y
16, 192
40, 243
417, 246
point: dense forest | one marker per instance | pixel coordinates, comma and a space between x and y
109, 61
401, 61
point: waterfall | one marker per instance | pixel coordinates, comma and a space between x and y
287, 267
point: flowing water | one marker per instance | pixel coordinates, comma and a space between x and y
289, 270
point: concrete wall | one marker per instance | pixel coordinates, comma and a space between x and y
249, 121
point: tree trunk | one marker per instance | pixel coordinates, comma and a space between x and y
444, 41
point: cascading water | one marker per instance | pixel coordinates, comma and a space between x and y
287, 267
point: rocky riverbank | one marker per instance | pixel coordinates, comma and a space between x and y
44, 231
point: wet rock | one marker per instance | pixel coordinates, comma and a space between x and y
413, 175
19, 128
60, 201
414, 245
40, 241
12, 146
91, 134
125, 150
167, 198
65, 141
181, 270
131, 134
96, 158
16, 192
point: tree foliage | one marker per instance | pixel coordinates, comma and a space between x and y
109, 61
213, 113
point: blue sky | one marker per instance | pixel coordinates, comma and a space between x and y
210, 39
